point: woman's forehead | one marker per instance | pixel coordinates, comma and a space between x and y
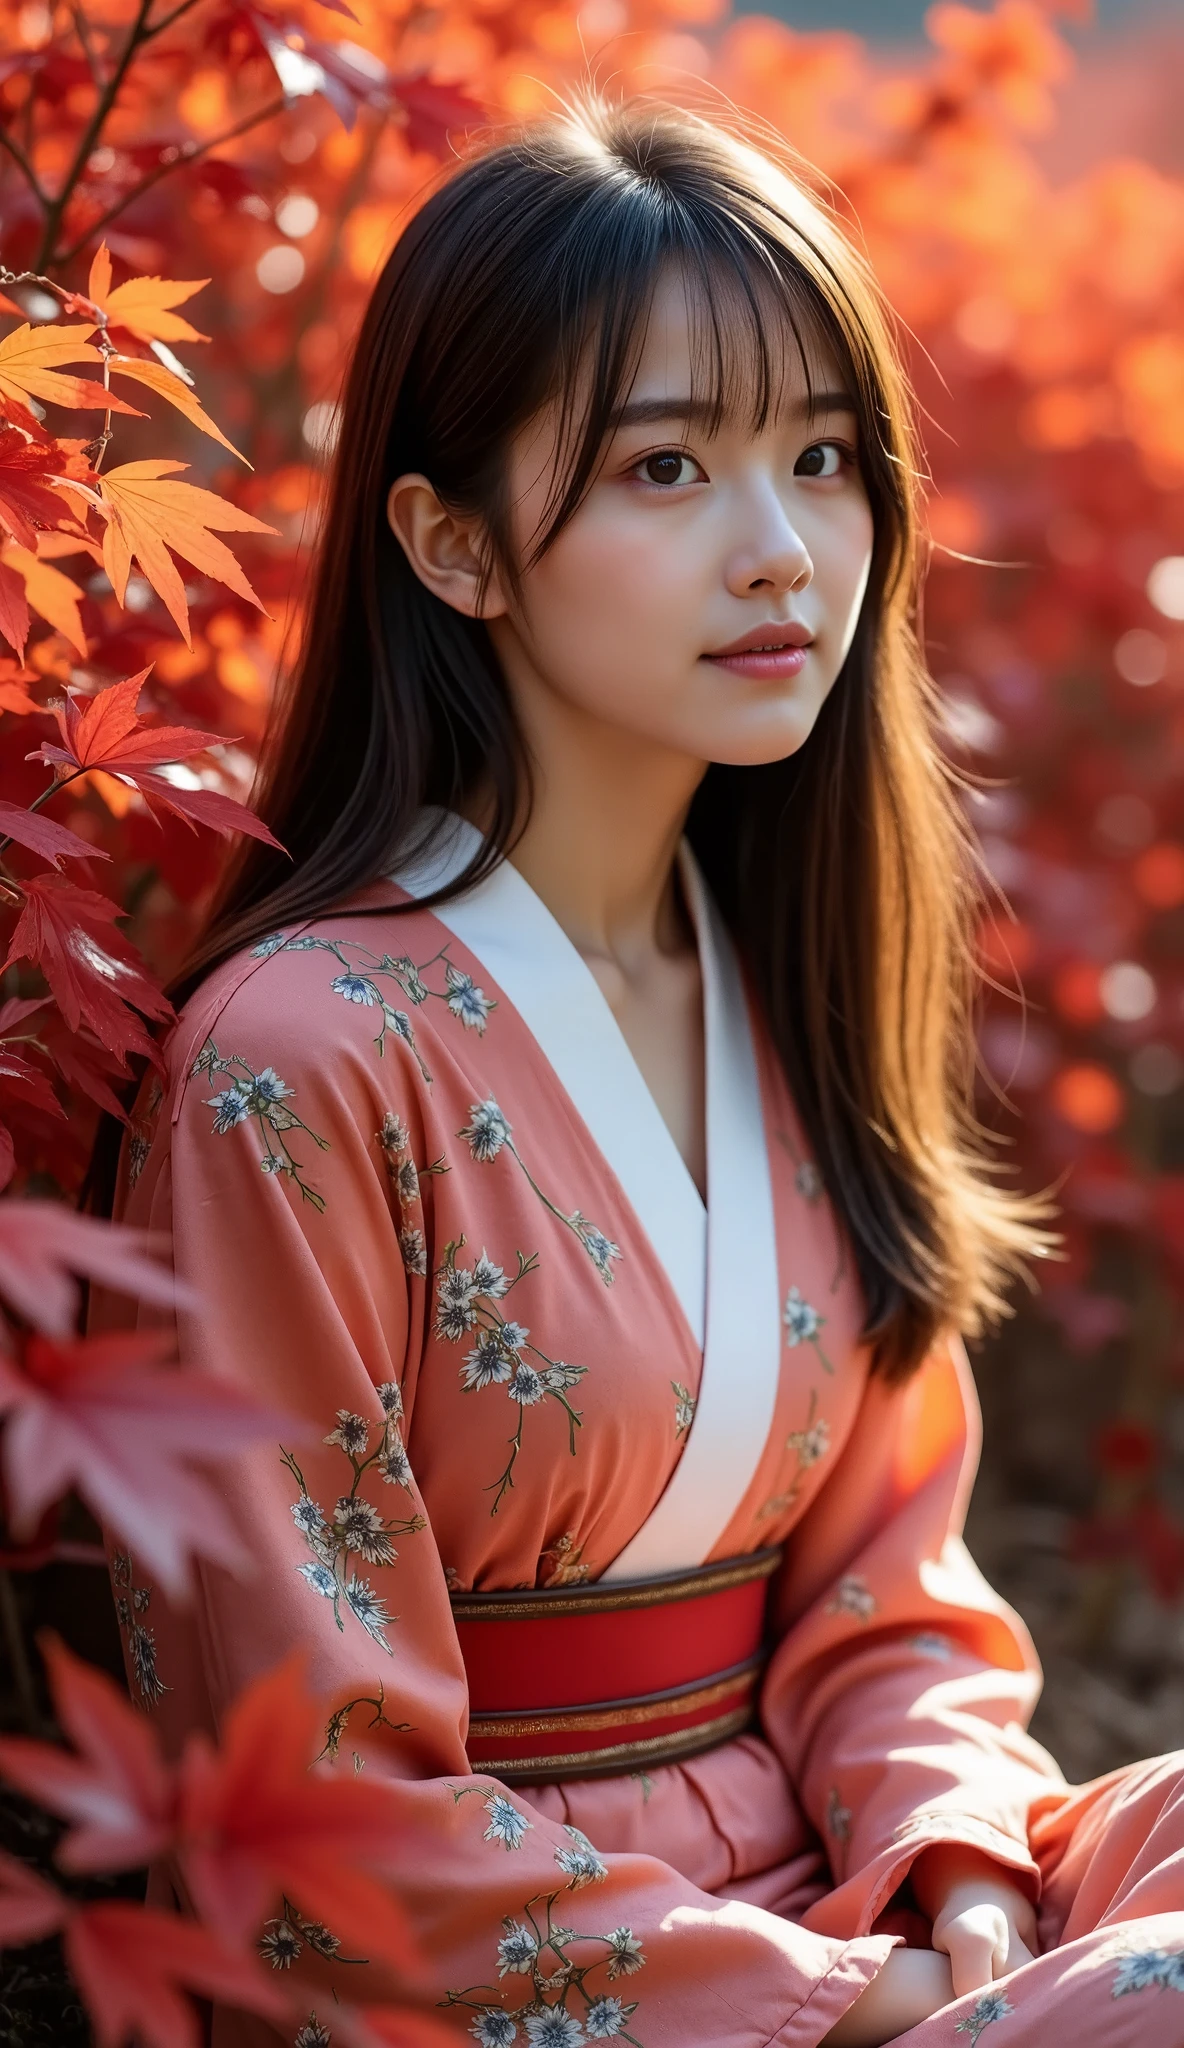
716, 350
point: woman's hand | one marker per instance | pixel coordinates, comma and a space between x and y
912, 1984
982, 1920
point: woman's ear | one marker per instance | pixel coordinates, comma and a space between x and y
442, 548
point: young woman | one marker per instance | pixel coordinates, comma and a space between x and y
575, 1132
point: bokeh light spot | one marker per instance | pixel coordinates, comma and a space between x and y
1088, 1097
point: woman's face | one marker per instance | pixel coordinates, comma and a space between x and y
705, 594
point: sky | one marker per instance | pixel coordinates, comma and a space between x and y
901, 20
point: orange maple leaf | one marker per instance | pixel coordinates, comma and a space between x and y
53, 596
168, 385
27, 368
141, 303
148, 513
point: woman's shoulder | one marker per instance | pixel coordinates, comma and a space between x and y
319, 996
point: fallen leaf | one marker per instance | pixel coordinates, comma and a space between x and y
148, 512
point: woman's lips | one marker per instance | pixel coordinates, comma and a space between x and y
763, 664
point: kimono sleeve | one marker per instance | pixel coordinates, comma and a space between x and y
309, 1299
901, 1687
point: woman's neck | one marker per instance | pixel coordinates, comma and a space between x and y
600, 845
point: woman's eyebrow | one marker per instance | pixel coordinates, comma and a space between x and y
650, 412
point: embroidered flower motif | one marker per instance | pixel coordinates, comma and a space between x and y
560, 1376
627, 1955
264, 1097
394, 1464
582, 1864
506, 1824
488, 1364
231, 1108
357, 1529
465, 1300
1148, 1969
266, 947
486, 1131
554, 2027
526, 1385
319, 1939
365, 1603
312, 1526
810, 1444
321, 1579
605, 2018
993, 2005
138, 1148
356, 989
146, 1682
600, 1249
853, 1596
455, 1313
516, 1951
313, 2035
567, 1567
360, 1527
489, 1280
280, 1945
352, 1433
684, 1407
394, 1135
466, 1000
838, 1816
802, 1324
406, 1183
494, 2029
414, 1252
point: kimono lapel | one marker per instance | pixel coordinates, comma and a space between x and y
742, 1350
721, 1261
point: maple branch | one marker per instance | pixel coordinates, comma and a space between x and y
157, 27
82, 31
185, 156
90, 135
18, 156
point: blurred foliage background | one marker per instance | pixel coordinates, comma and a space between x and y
1015, 172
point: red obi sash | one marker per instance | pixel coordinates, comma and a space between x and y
587, 1681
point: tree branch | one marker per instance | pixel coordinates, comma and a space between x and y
18, 156
46, 258
184, 157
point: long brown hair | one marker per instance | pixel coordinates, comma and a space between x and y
846, 871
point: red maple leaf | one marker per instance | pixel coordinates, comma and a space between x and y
109, 734
27, 503
55, 843
105, 1416
92, 970
131, 1964
43, 1245
255, 1821
248, 1823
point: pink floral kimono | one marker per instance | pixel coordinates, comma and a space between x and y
432, 1209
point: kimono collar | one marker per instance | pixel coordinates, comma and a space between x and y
720, 1259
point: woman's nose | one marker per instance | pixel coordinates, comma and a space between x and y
774, 557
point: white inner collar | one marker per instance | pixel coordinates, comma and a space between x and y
720, 1258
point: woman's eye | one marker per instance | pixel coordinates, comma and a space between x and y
670, 466
822, 458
